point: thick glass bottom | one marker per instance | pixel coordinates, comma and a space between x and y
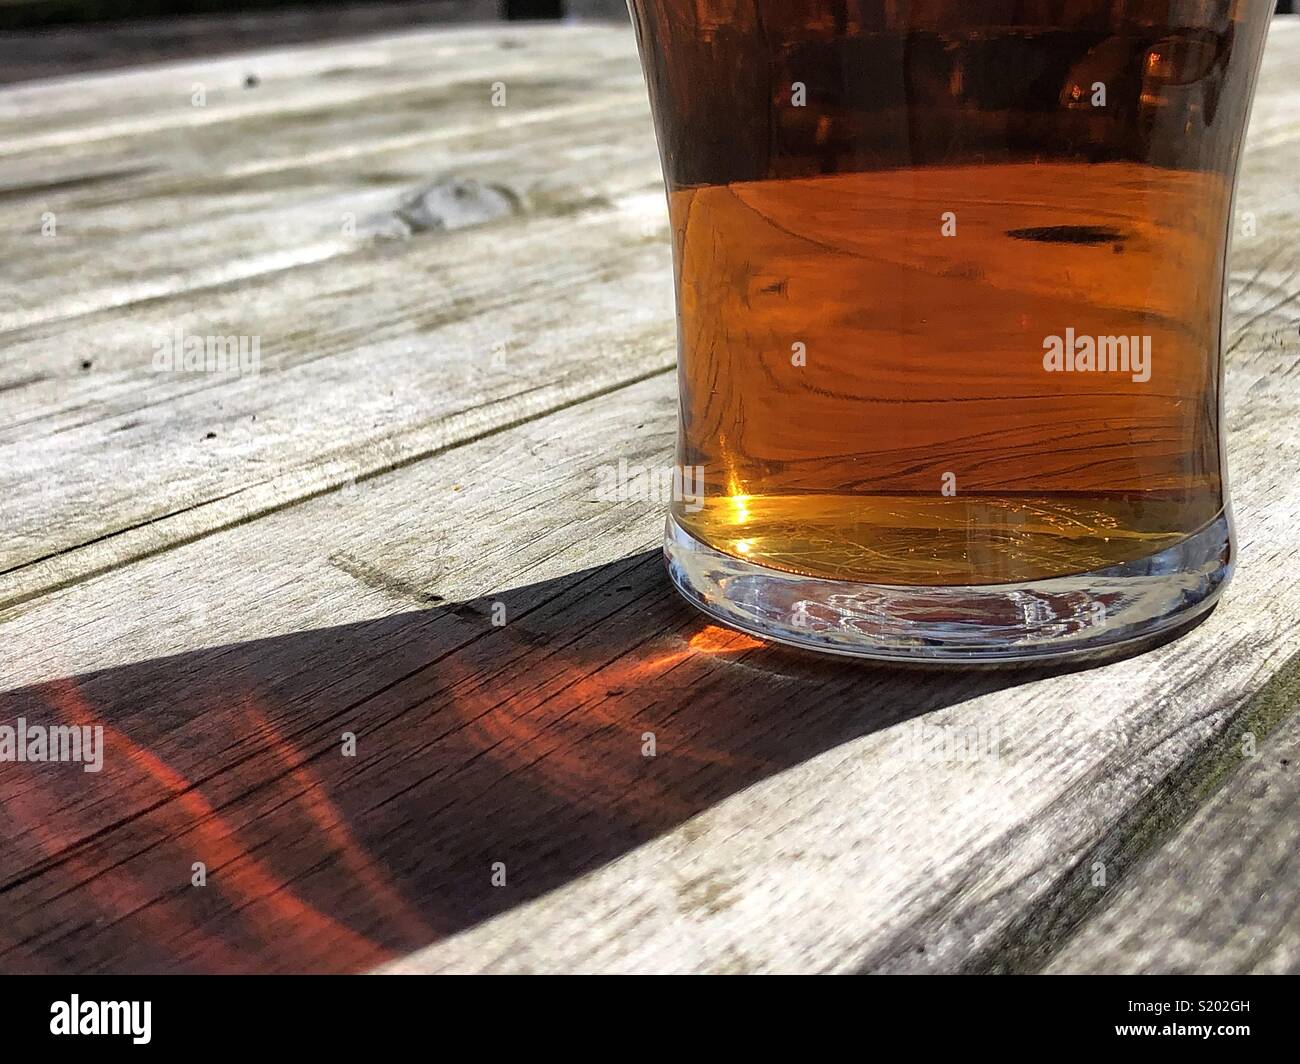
1102, 612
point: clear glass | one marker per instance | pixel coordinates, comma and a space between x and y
949, 284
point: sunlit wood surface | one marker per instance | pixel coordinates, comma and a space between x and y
464, 312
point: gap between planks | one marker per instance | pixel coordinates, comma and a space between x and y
1050, 930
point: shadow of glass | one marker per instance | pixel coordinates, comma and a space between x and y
482, 749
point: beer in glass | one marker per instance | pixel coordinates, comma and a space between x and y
949, 281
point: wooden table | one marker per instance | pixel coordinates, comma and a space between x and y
463, 312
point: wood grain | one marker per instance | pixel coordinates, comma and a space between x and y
238, 229
1222, 895
30, 49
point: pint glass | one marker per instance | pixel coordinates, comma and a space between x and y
949, 280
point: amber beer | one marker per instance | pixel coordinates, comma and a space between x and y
949, 285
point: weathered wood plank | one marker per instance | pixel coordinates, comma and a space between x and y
1223, 895
240, 186
442, 347
28, 52
383, 576
144, 99
257, 247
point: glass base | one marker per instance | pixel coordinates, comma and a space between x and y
1116, 609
